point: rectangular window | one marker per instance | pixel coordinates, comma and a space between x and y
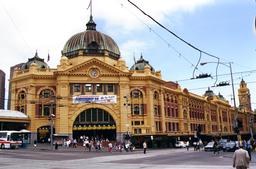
136, 123
82, 117
88, 116
137, 131
88, 87
110, 88
46, 110
99, 88
94, 115
105, 116
76, 88
100, 115
136, 109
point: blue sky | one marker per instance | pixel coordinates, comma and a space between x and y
223, 28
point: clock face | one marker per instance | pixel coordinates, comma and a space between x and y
94, 72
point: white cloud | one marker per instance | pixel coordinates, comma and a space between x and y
45, 25
133, 48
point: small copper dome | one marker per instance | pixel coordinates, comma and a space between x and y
141, 64
91, 42
209, 93
35, 60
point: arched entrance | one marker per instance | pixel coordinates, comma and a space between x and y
94, 123
44, 134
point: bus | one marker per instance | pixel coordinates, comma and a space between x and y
10, 139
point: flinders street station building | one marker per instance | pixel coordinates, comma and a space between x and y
92, 92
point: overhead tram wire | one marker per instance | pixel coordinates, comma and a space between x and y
189, 44
199, 88
180, 55
15, 25
184, 41
227, 74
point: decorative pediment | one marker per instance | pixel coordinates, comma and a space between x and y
94, 68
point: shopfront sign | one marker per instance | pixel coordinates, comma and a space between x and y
104, 99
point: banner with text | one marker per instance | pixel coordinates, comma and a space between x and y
105, 99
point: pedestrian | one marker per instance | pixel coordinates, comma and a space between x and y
145, 147
249, 148
56, 145
187, 145
110, 146
241, 158
215, 147
35, 144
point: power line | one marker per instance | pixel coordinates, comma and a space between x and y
199, 88
227, 74
161, 38
15, 25
181, 39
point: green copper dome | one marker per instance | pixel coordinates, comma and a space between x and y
91, 42
37, 60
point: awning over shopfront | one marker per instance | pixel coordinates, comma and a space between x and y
13, 116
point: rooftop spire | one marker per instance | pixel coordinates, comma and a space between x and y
36, 55
91, 25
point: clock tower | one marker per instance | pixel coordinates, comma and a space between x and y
244, 97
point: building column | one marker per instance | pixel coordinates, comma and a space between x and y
150, 110
125, 111
162, 112
180, 114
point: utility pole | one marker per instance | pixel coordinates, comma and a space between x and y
51, 118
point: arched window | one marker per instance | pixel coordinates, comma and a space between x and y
136, 94
22, 101
157, 108
137, 103
156, 96
46, 93
47, 103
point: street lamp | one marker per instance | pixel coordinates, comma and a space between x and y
127, 135
51, 118
228, 64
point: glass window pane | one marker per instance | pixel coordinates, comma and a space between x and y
100, 115
94, 115
105, 116
76, 88
88, 116
99, 87
88, 88
110, 88
82, 117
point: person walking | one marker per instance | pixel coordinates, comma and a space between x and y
249, 148
241, 158
145, 147
187, 145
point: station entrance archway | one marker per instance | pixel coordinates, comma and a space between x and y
94, 123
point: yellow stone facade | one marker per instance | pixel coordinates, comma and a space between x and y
146, 105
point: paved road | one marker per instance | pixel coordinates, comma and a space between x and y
78, 159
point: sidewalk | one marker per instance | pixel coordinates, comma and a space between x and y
47, 147
79, 148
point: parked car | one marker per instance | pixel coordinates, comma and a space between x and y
209, 146
222, 142
180, 144
230, 146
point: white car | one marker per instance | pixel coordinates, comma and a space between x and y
180, 144
209, 146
